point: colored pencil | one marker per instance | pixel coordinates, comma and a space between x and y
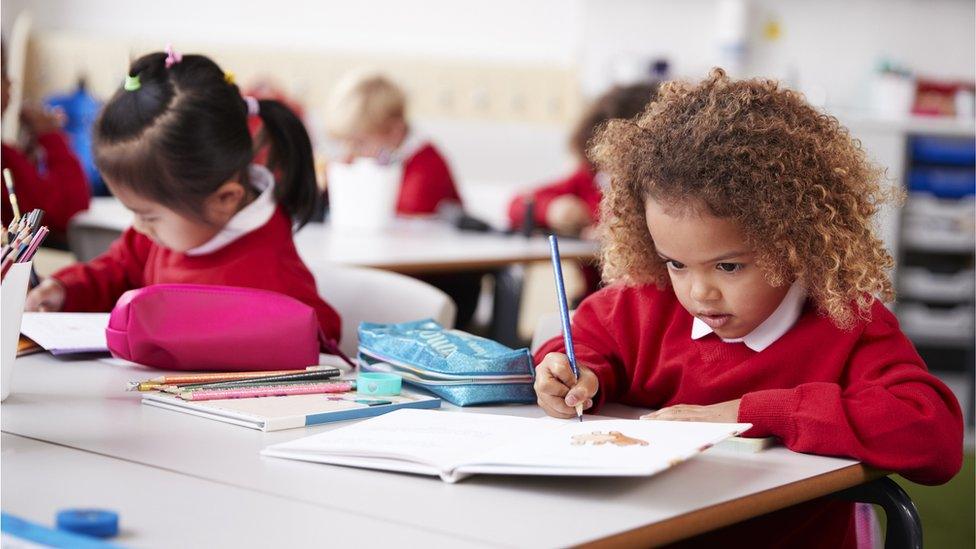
214, 377
284, 390
557, 270
21, 240
8, 180
303, 377
183, 390
35, 242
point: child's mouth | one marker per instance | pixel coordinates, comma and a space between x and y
715, 321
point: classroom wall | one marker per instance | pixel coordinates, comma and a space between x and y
828, 47
504, 30
500, 154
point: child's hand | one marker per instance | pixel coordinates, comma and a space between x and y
723, 412
557, 390
568, 215
40, 120
48, 296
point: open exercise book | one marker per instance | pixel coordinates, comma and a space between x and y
456, 445
67, 333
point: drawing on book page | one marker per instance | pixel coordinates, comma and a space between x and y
598, 438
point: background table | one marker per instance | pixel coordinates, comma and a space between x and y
418, 245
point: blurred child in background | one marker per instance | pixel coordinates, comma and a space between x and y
570, 206
60, 187
367, 114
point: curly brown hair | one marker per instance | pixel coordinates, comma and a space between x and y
799, 186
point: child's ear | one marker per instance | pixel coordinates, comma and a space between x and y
225, 201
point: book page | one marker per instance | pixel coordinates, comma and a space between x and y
442, 440
62, 333
612, 447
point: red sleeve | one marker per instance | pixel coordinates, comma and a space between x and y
61, 191
96, 286
426, 182
888, 412
581, 184
607, 329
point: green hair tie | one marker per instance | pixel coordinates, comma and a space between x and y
132, 83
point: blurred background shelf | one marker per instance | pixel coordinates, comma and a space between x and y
937, 307
932, 236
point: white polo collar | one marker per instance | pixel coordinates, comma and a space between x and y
250, 218
771, 329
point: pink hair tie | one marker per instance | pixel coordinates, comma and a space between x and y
172, 56
253, 107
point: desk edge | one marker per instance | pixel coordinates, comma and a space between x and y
739, 509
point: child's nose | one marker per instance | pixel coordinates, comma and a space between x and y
703, 291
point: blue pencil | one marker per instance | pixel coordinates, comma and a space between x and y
557, 271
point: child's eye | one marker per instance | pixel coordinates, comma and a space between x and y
676, 265
729, 267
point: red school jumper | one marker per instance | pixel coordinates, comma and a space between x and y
582, 184
863, 393
62, 191
426, 182
265, 258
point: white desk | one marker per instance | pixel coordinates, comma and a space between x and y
82, 405
165, 509
409, 246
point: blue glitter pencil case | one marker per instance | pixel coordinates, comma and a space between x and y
459, 367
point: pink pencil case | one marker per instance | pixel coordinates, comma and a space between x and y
221, 328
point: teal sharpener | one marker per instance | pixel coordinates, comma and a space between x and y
378, 383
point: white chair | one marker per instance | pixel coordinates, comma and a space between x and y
359, 295
549, 326
87, 239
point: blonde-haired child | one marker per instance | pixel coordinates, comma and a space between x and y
367, 113
745, 283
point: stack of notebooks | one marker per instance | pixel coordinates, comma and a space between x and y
273, 400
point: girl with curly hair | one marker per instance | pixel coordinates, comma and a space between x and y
746, 285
